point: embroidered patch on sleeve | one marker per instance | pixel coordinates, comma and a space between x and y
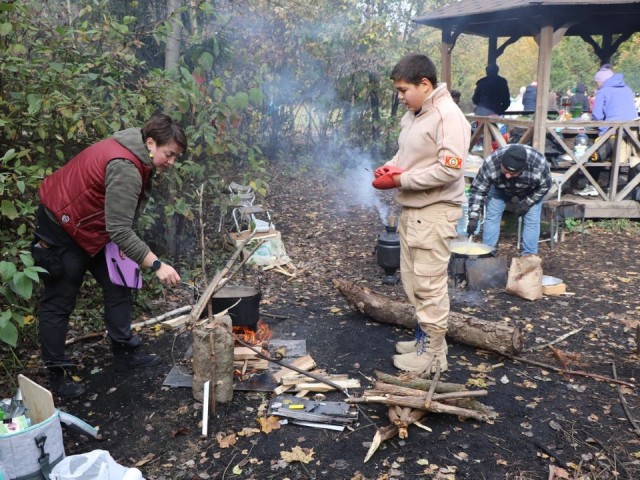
453, 162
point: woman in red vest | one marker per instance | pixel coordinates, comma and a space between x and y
93, 199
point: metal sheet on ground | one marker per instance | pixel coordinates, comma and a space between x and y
293, 348
179, 377
260, 382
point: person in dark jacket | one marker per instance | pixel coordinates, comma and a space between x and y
491, 95
529, 97
92, 200
580, 101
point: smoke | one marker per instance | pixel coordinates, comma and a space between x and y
310, 115
357, 178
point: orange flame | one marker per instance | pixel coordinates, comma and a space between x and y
259, 337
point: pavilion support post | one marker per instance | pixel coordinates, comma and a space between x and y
446, 48
545, 46
615, 166
493, 50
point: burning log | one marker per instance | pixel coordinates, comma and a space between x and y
466, 329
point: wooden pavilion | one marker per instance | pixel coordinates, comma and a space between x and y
604, 25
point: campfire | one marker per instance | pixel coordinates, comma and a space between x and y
258, 335
245, 359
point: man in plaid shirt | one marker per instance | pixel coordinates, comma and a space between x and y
516, 176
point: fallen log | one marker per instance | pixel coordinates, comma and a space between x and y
466, 329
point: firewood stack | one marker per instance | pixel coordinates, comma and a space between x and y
292, 381
409, 399
246, 360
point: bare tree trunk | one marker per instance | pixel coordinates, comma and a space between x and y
172, 51
374, 99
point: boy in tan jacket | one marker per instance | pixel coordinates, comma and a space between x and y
428, 173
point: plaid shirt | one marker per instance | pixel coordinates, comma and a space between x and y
530, 186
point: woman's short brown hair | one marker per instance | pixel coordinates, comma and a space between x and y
163, 129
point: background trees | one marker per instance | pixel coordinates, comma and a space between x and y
257, 84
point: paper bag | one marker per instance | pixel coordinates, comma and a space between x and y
525, 277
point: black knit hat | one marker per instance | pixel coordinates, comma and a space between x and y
514, 158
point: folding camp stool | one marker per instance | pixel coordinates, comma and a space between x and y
241, 195
245, 216
245, 212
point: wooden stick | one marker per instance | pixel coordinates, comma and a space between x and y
405, 421
393, 412
213, 374
162, 317
625, 407
390, 431
151, 321
552, 472
203, 264
419, 383
434, 383
552, 455
382, 434
561, 371
271, 315
553, 342
382, 388
418, 403
88, 336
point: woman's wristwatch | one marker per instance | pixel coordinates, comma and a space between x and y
156, 265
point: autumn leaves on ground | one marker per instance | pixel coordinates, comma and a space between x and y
575, 426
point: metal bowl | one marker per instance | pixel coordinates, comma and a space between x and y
462, 248
548, 281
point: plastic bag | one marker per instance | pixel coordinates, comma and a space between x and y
270, 254
94, 465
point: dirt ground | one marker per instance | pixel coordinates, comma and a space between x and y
544, 418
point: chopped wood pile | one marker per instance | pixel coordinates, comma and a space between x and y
410, 399
246, 360
295, 381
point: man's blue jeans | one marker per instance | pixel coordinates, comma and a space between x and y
496, 204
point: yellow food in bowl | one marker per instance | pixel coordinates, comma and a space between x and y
470, 250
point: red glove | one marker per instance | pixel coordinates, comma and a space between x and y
386, 181
385, 169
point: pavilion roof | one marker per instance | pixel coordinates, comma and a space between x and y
516, 18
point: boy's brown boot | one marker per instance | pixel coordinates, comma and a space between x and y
418, 344
414, 346
419, 362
